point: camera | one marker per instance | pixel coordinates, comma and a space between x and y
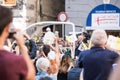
11, 35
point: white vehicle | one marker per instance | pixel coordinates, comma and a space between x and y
40, 25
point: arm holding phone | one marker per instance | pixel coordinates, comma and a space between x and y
23, 49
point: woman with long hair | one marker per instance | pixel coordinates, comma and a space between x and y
64, 67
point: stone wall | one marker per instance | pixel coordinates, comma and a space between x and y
51, 8
24, 13
27, 12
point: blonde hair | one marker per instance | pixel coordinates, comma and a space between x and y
53, 68
64, 64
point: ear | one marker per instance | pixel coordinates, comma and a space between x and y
7, 29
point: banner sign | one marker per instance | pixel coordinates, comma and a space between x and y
105, 20
104, 16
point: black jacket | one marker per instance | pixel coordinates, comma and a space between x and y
33, 49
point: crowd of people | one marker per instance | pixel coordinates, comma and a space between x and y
21, 59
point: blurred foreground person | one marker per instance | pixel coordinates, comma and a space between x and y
97, 62
115, 75
13, 67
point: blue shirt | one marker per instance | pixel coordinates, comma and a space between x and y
74, 74
43, 74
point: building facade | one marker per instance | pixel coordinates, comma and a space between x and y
78, 11
27, 12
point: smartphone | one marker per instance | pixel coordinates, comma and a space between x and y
11, 35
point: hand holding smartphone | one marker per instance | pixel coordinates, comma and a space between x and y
11, 34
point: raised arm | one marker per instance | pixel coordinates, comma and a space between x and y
24, 51
115, 75
57, 51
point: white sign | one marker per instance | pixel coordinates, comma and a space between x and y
106, 20
114, 42
106, 1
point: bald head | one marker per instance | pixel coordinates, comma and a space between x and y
99, 37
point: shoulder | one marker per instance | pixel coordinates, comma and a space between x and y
20, 62
111, 53
75, 70
82, 55
16, 62
85, 52
16, 59
10, 55
41, 75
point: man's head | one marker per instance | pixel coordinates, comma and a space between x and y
5, 18
43, 64
99, 38
80, 38
48, 29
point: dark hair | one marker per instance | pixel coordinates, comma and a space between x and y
6, 17
87, 37
46, 49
